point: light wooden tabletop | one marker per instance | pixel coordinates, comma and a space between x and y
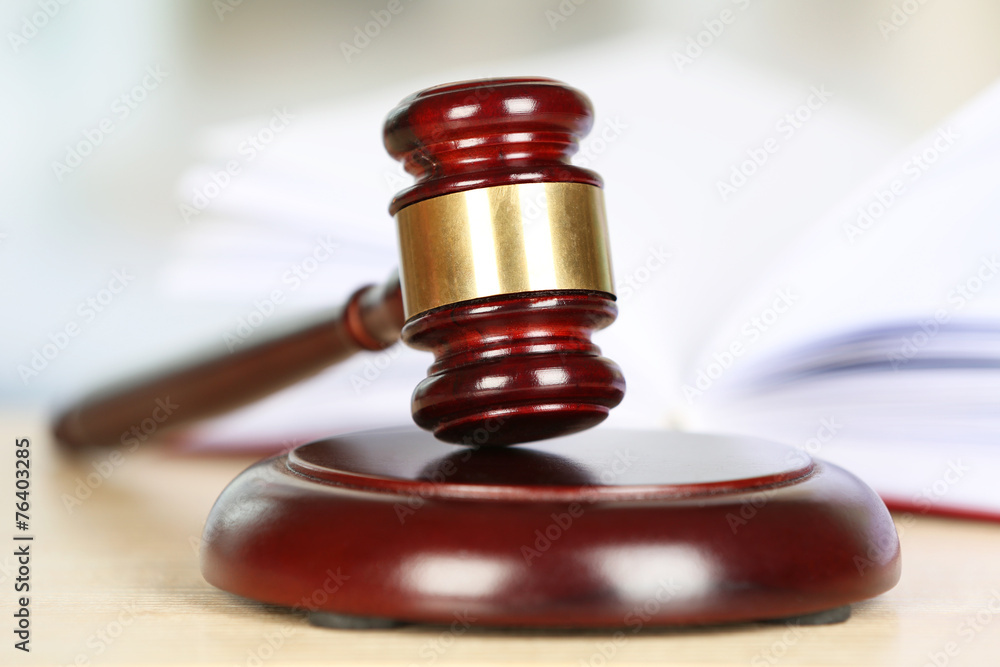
115, 580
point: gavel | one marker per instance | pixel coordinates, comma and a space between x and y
504, 274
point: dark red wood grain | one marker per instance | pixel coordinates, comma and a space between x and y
515, 368
518, 367
478, 134
598, 529
221, 381
524, 359
592, 530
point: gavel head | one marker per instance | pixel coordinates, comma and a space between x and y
504, 261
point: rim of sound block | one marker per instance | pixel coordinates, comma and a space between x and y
594, 530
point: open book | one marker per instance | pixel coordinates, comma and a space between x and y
869, 336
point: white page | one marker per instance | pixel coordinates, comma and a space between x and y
894, 337
938, 238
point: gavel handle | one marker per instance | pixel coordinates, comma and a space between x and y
370, 320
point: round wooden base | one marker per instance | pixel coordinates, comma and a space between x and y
594, 530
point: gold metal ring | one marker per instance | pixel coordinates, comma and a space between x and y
502, 240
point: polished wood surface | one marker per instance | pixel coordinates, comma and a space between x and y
600, 529
124, 560
518, 367
488, 132
453, 138
513, 369
370, 320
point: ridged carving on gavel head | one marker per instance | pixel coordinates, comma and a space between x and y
504, 261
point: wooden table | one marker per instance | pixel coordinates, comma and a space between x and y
115, 580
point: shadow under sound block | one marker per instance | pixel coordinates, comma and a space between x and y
598, 529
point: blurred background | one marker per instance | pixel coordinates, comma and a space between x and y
164, 75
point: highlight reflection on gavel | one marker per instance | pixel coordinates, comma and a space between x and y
504, 274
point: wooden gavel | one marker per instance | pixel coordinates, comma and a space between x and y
504, 274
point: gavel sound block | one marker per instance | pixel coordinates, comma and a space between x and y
504, 274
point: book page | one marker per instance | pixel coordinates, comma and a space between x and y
876, 344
